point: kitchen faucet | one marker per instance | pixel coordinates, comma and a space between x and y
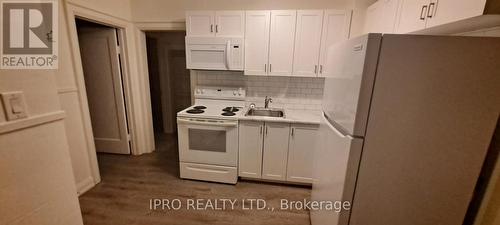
267, 101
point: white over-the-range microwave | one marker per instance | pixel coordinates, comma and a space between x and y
214, 53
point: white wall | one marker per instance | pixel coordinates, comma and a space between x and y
174, 10
36, 180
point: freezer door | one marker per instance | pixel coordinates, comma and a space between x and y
335, 169
348, 85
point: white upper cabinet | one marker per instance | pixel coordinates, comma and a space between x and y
415, 15
200, 23
215, 23
336, 26
412, 15
281, 39
257, 25
447, 11
381, 16
229, 23
307, 42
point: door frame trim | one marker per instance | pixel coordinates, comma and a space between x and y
135, 81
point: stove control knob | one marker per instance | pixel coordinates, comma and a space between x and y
235, 93
198, 91
240, 90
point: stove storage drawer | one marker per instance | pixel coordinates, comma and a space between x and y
223, 174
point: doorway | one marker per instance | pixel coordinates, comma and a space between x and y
102, 69
169, 79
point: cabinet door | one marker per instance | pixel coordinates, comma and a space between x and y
282, 37
447, 11
250, 149
336, 25
307, 42
412, 16
200, 23
229, 23
373, 20
275, 151
257, 25
381, 17
301, 150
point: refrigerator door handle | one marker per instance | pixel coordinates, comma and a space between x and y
333, 126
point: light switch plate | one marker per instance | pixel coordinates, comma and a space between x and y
14, 105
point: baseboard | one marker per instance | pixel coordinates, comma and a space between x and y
85, 185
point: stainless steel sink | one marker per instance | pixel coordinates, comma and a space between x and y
265, 112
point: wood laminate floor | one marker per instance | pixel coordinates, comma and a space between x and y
129, 182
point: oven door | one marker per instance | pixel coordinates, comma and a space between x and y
208, 141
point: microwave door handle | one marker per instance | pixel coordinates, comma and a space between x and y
228, 54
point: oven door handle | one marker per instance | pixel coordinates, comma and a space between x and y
208, 123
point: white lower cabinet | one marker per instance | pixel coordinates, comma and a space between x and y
276, 151
250, 149
274, 160
301, 150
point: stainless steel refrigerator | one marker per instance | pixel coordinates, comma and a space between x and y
407, 123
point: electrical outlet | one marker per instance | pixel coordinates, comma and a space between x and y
14, 105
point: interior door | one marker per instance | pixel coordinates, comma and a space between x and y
103, 83
282, 37
257, 42
413, 15
229, 23
307, 42
336, 24
200, 23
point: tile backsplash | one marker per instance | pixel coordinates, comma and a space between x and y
286, 92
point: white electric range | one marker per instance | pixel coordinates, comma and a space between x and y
208, 134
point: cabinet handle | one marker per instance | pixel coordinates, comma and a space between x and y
261, 127
217, 28
321, 69
315, 69
211, 28
431, 9
422, 16
293, 131
265, 67
266, 130
270, 70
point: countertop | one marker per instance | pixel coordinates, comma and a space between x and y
291, 116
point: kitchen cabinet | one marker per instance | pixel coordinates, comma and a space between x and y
417, 15
274, 160
412, 15
307, 42
257, 25
229, 23
215, 23
200, 23
251, 135
316, 31
277, 151
269, 42
381, 16
301, 151
336, 26
447, 11
281, 42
